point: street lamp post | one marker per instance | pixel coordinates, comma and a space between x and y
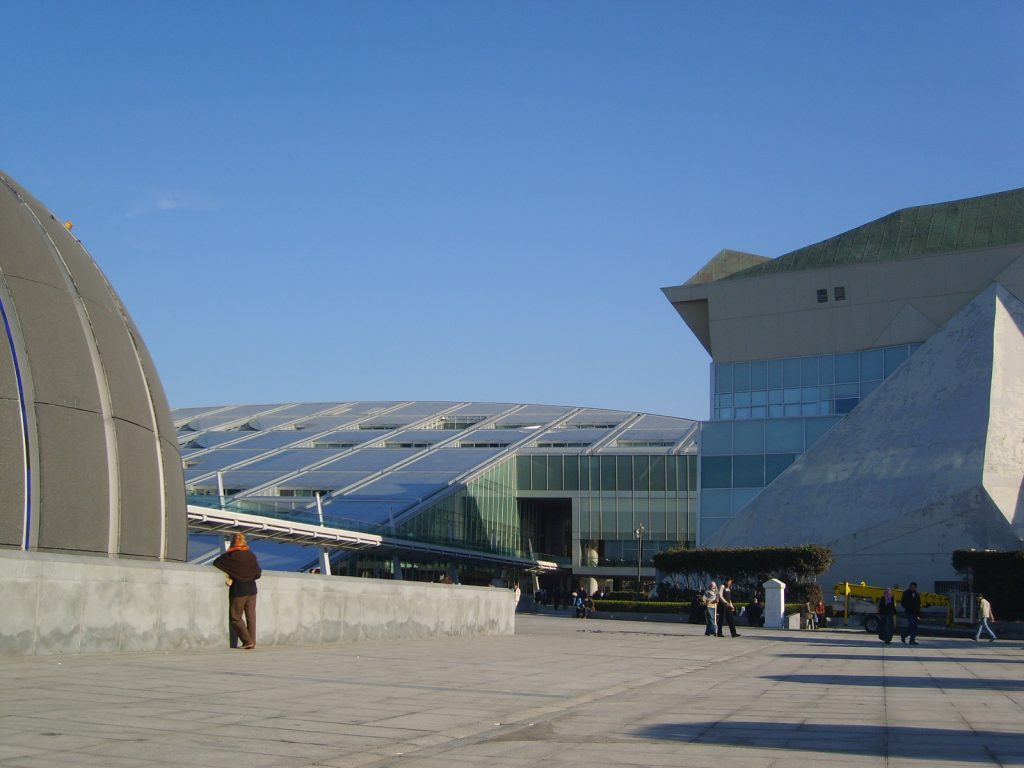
639, 533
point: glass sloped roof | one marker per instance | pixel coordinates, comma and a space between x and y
292, 459
213, 418
323, 479
212, 461
372, 459
267, 440
452, 460
236, 479
404, 486
432, 446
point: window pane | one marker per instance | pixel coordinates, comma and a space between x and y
523, 472
716, 438
784, 436
748, 471
826, 369
657, 473
554, 473
847, 367
716, 472
624, 470
539, 472
847, 390
893, 357
572, 473
759, 375
774, 374
808, 371
741, 377
871, 365
774, 463
641, 474
723, 378
846, 405
791, 372
748, 437
607, 473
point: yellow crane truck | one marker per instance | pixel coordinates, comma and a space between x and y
861, 600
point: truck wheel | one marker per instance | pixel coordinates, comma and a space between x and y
871, 624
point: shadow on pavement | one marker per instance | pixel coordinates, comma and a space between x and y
893, 681
924, 744
879, 657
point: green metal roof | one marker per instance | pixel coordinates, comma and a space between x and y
958, 225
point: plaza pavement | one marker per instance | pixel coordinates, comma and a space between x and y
561, 692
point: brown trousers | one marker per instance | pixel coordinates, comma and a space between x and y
244, 608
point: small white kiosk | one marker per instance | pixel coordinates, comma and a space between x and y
774, 604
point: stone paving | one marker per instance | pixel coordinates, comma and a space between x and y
561, 692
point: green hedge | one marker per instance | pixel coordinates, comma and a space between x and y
640, 606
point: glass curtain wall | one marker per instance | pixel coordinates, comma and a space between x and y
818, 385
613, 493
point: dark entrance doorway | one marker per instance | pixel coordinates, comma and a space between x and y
547, 526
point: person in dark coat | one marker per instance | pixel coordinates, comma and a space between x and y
911, 602
886, 616
726, 610
242, 569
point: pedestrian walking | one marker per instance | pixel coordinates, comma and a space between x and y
710, 600
726, 610
911, 602
886, 616
985, 615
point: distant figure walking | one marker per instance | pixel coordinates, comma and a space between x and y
726, 610
710, 600
886, 616
911, 602
242, 569
985, 615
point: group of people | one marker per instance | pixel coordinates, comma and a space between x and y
719, 609
910, 601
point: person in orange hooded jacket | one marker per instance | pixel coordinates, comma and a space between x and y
242, 568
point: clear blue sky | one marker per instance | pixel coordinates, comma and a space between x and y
478, 200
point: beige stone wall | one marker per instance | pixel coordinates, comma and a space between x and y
64, 604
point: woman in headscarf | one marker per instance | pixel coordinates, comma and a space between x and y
242, 569
710, 600
886, 616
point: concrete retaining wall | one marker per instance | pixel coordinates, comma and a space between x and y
60, 604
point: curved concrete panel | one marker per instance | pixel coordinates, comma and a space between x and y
87, 436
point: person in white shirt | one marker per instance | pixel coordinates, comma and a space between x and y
986, 615
710, 609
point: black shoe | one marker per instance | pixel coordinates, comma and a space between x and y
737, 634
992, 640
903, 638
914, 642
719, 635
